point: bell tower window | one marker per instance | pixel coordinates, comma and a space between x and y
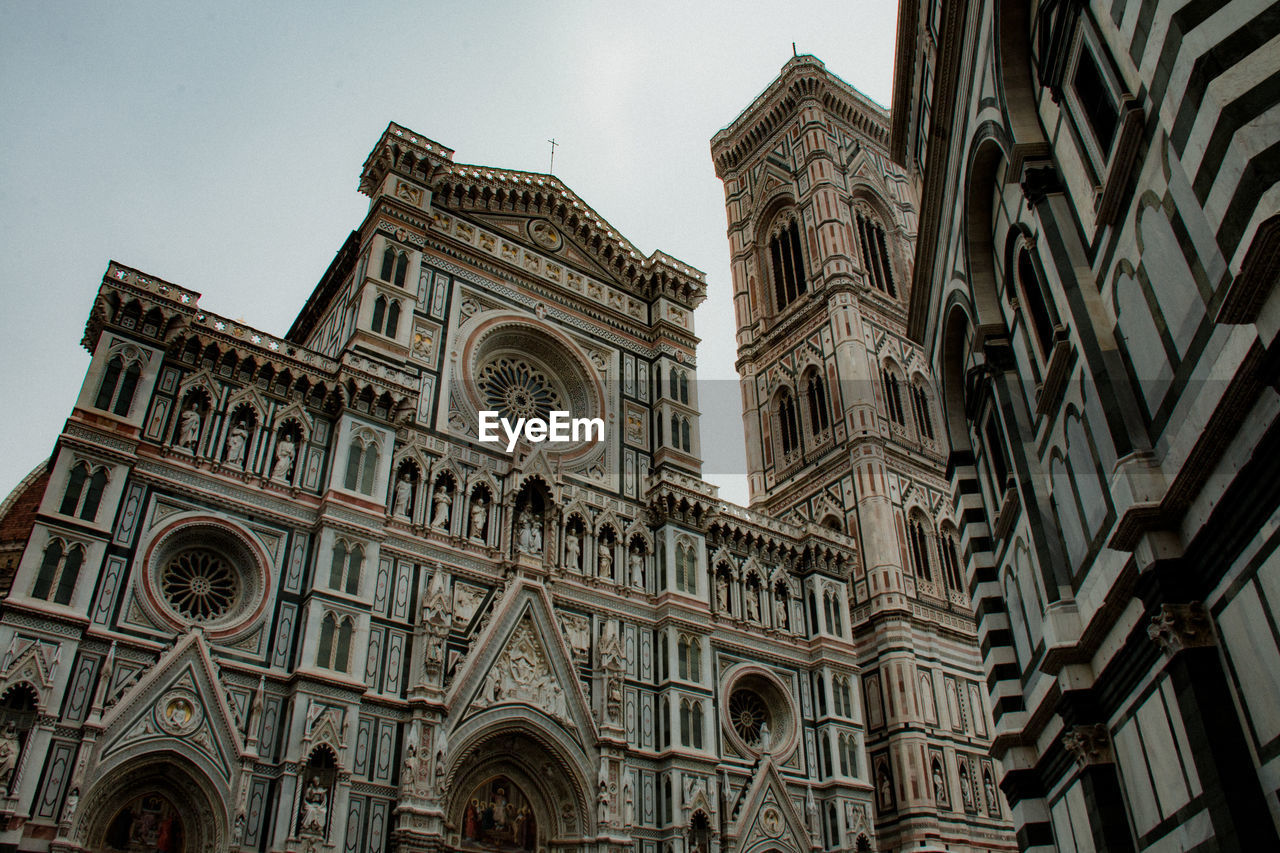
788, 264
875, 255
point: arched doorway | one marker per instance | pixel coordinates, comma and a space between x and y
514, 791
157, 803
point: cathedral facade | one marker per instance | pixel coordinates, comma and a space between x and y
275, 593
1095, 287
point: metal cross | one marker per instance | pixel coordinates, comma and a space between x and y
552, 167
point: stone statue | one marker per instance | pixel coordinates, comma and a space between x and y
69, 805
811, 811
753, 602
235, 443
529, 538
572, 550
780, 610
722, 593
440, 520
409, 777
315, 806
628, 805
189, 427
285, 450
764, 735
605, 560
635, 569
404, 496
602, 804
479, 512
9, 749
939, 792
991, 792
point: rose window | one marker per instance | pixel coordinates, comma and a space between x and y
516, 388
199, 585
748, 714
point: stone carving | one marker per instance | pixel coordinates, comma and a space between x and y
521, 674
780, 611
236, 442
628, 805
479, 514
404, 496
315, 807
577, 630
722, 593
9, 749
1089, 744
69, 806
436, 619
1181, 626
440, 516
466, 600
605, 560
189, 427
613, 662
285, 450
529, 536
635, 569
753, 602
572, 550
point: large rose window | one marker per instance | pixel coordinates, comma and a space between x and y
517, 388
749, 716
206, 572
760, 714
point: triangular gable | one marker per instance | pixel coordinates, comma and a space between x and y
767, 817
523, 659
569, 251
178, 704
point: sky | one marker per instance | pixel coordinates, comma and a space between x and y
218, 146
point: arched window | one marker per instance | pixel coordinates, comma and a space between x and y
1031, 288
682, 656
379, 313
119, 383
695, 659
842, 750
875, 255
892, 396
675, 430
788, 425
684, 387
393, 318
685, 442
334, 649
402, 268
344, 570
664, 728
920, 410
673, 385
819, 414
58, 573
342, 649
388, 263
822, 696
918, 539
362, 464
826, 755
662, 656
80, 501
696, 724
947, 543
685, 723
788, 266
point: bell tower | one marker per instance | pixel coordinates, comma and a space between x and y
839, 414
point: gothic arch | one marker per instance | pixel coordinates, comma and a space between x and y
203, 807
1017, 87
546, 763
985, 159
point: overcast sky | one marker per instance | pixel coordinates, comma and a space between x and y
218, 146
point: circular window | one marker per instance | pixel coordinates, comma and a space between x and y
759, 715
519, 368
749, 716
199, 585
517, 388
203, 571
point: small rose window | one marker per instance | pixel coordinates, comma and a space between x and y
199, 585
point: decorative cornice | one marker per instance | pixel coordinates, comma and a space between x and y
1178, 627
1089, 744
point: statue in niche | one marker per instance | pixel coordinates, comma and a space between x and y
9, 749
635, 568
479, 512
285, 450
628, 805
604, 558
315, 806
236, 442
404, 496
753, 602
189, 427
440, 518
939, 788
991, 792
779, 609
529, 537
602, 804
572, 550
69, 806
722, 592
409, 778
